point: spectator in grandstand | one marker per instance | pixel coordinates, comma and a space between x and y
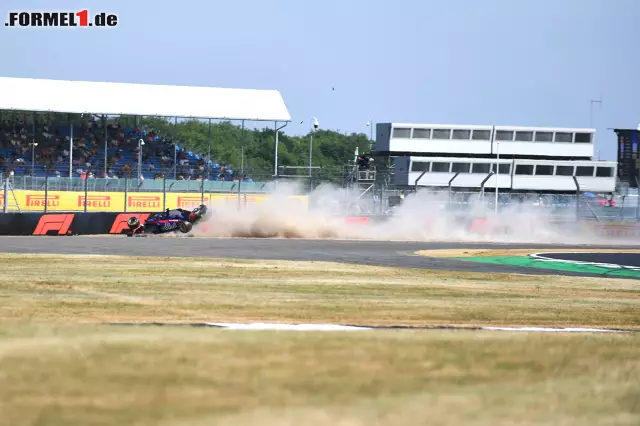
52, 154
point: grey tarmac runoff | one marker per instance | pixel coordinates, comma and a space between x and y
360, 252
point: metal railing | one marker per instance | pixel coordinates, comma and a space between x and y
577, 206
137, 185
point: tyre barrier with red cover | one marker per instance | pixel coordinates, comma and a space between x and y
66, 223
116, 223
78, 223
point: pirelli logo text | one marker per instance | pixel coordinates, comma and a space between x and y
81, 18
144, 201
191, 202
41, 200
95, 201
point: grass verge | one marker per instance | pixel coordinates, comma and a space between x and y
59, 366
113, 288
100, 375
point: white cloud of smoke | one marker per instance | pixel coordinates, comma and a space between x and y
422, 216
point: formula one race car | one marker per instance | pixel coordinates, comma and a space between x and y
168, 221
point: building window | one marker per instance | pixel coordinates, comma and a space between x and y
421, 133
402, 133
564, 170
524, 169
564, 137
481, 135
504, 169
584, 171
583, 137
544, 136
504, 135
461, 134
419, 166
441, 134
544, 170
604, 172
461, 168
483, 168
524, 136
440, 167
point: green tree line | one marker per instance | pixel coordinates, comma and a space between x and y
227, 141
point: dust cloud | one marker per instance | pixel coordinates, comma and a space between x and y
422, 216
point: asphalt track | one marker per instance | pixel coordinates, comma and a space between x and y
625, 259
381, 253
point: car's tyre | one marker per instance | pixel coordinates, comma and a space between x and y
185, 227
133, 222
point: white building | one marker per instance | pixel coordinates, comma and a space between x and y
530, 158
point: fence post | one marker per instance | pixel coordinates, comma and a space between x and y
637, 198
5, 207
239, 190
482, 185
202, 192
450, 183
46, 191
126, 192
575, 181
164, 193
86, 191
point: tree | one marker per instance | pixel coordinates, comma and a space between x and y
331, 150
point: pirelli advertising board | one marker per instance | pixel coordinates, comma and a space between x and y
71, 201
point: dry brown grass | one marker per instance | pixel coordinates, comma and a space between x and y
112, 288
58, 367
174, 376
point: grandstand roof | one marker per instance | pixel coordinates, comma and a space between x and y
84, 97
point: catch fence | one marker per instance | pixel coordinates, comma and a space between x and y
50, 193
583, 206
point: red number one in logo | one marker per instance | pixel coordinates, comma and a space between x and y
84, 17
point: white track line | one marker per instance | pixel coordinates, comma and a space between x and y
304, 327
539, 256
556, 330
333, 327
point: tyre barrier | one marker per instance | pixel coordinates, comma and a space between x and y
18, 224
66, 223
58, 224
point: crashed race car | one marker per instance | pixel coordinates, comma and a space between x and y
171, 220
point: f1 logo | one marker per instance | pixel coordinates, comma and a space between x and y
54, 224
120, 222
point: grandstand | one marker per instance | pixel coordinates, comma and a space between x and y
90, 130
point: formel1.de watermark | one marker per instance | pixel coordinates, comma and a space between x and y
61, 19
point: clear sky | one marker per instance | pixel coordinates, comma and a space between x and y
502, 62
